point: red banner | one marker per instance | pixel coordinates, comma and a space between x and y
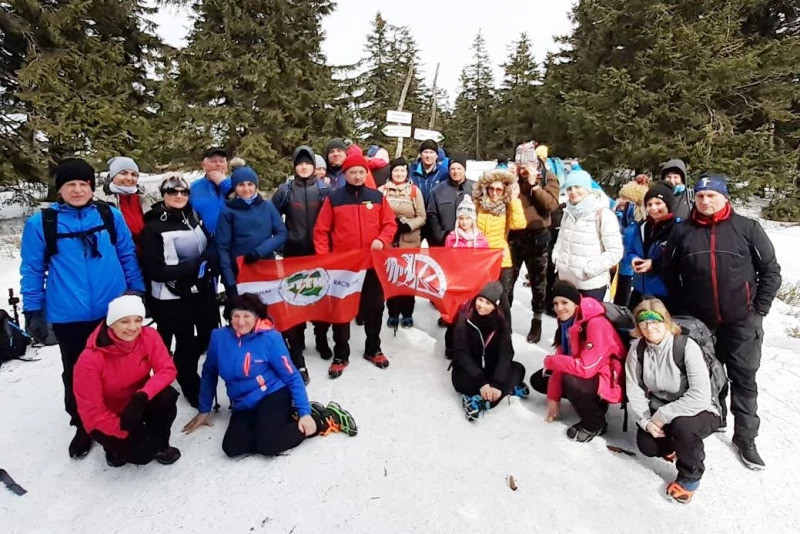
309, 288
446, 276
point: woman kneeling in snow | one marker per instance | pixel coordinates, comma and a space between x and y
123, 408
672, 404
587, 365
483, 368
271, 410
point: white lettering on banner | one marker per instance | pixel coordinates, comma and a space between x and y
417, 271
304, 288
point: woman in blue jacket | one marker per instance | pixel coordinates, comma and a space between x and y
645, 242
271, 410
248, 226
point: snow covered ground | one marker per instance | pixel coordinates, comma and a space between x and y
416, 465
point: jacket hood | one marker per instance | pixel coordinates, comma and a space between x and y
674, 164
590, 308
497, 175
303, 149
100, 340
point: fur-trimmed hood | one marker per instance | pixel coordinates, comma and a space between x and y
501, 175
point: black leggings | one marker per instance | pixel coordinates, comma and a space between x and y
466, 384
582, 395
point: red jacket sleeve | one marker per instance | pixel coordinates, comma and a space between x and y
323, 227
554, 386
88, 388
593, 356
164, 371
388, 223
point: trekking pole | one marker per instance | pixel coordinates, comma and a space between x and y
13, 302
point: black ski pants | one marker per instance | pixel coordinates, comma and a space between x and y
370, 308
402, 305
72, 338
295, 338
468, 385
582, 395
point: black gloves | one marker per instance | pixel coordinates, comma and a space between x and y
36, 325
403, 228
133, 412
251, 258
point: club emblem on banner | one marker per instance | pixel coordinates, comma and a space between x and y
305, 287
419, 272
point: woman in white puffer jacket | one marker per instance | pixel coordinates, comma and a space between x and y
589, 243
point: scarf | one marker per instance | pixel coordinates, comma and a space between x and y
470, 238
123, 189
587, 205
564, 331
249, 201
721, 215
131, 208
493, 207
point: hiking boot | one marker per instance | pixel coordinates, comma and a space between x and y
473, 406
304, 374
748, 453
324, 350
522, 390
168, 456
80, 444
682, 491
407, 322
577, 433
535, 333
378, 360
317, 408
114, 461
337, 419
392, 322
337, 367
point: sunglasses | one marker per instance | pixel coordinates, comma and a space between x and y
174, 192
495, 189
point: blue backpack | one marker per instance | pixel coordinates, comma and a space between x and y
14, 340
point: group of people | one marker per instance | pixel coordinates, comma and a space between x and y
94, 268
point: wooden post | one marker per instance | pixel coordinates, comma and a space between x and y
399, 151
433, 99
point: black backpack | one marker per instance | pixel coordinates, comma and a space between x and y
50, 227
14, 340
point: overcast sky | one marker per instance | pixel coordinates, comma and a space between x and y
444, 30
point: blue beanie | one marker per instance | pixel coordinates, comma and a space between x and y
243, 174
713, 182
579, 178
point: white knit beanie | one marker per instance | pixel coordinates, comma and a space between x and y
123, 307
467, 207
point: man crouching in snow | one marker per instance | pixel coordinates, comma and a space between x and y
483, 368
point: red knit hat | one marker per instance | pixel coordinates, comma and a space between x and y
355, 160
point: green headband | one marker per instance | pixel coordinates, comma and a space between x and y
649, 315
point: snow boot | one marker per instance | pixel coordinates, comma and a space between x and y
748, 453
80, 444
473, 406
407, 322
304, 374
522, 390
337, 419
359, 320
114, 461
682, 491
317, 408
337, 367
378, 360
324, 350
168, 456
577, 433
535, 333
392, 322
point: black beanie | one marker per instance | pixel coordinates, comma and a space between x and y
458, 157
566, 290
664, 191
429, 144
398, 162
492, 292
336, 142
74, 169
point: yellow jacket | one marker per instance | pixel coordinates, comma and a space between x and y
496, 227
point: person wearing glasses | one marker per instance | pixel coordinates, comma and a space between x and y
176, 262
671, 404
499, 210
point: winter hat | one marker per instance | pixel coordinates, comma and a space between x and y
246, 302
336, 142
713, 182
457, 157
566, 290
466, 207
372, 150
172, 180
123, 307
526, 153
643, 179
303, 154
579, 178
74, 169
355, 160
319, 161
663, 191
215, 151
120, 163
492, 292
634, 192
429, 144
243, 174
398, 162
542, 151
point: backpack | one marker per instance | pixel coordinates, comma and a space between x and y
13, 339
695, 329
50, 227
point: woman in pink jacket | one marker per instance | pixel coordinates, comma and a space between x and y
588, 364
124, 408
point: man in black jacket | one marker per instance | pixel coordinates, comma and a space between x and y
721, 268
445, 198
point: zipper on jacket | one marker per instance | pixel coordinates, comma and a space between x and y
246, 365
714, 288
484, 344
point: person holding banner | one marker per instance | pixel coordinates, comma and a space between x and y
406, 201
357, 217
483, 368
271, 410
248, 226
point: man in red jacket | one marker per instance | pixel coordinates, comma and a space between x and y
357, 217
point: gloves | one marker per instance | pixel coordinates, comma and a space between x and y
36, 325
403, 228
251, 258
132, 414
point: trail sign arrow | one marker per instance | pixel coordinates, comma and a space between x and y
403, 117
423, 135
396, 130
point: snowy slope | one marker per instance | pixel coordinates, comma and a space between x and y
416, 466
